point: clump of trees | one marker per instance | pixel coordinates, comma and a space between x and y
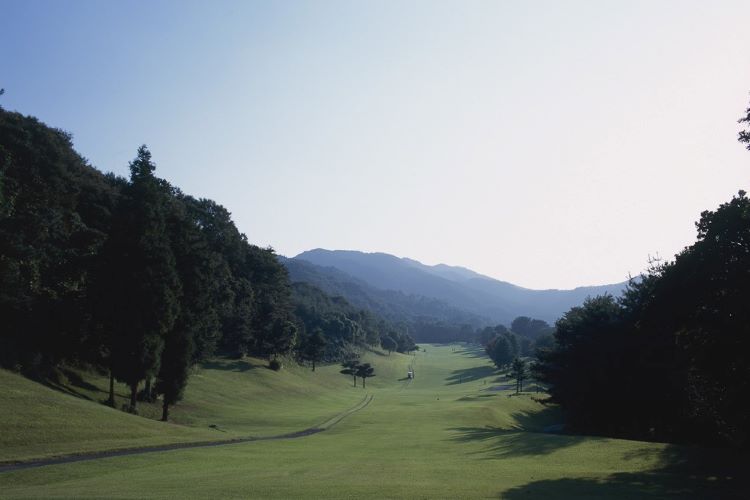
313, 347
347, 330
140, 280
504, 345
356, 369
519, 372
349, 367
503, 349
670, 359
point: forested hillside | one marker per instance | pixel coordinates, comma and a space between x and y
456, 289
426, 319
137, 279
670, 359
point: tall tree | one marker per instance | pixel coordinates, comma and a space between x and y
197, 320
314, 347
142, 299
388, 344
518, 371
175, 365
365, 371
350, 368
500, 350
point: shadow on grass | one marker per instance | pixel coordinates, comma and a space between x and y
682, 472
72, 382
473, 352
526, 437
479, 397
66, 389
470, 374
508, 443
239, 365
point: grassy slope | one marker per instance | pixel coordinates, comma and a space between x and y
240, 398
433, 438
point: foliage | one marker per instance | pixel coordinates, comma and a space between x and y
685, 325
388, 344
275, 365
744, 135
529, 327
503, 349
313, 347
365, 371
131, 276
518, 371
350, 367
138, 287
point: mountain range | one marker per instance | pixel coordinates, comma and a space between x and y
403, 289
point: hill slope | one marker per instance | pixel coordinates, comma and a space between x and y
393, 305
456, 287
239, 398
449, 433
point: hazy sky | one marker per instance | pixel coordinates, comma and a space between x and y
550, 144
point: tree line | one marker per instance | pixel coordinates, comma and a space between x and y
524, 337
140, 280
670, 359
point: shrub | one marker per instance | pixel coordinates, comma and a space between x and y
275, 365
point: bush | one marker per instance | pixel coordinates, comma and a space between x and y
275, 365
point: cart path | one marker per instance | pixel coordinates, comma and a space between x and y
66, 459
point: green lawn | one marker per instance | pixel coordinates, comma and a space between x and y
432, 438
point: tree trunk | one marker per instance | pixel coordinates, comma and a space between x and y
313, 364
363, 382
355, 380
147, 390
111, 401
133, 395
164, 411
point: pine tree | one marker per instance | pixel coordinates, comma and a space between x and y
314, 347
350, 368
518, 372
142, 299
365, 371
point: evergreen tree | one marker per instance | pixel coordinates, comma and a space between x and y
142, 299
350, 368
175, 364
518, 372
365, 371
500, 351
314, 347
388, 344
197, 320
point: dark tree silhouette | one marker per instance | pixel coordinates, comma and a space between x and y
365, 371
388, 344
518, 371
744, 135
350, 368
142, 298
314, 346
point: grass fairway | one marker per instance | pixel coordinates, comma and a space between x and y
431, 438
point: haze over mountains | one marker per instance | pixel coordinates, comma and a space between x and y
402, 289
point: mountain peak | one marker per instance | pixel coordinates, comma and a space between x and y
456, 286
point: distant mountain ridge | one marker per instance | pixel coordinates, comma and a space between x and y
393, 305
459, 289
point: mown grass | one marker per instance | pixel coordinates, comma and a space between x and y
431, 438
225, 399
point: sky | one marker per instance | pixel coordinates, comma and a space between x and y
550, 144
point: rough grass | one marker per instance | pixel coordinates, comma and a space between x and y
431, 438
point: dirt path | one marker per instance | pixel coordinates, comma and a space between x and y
66, 459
